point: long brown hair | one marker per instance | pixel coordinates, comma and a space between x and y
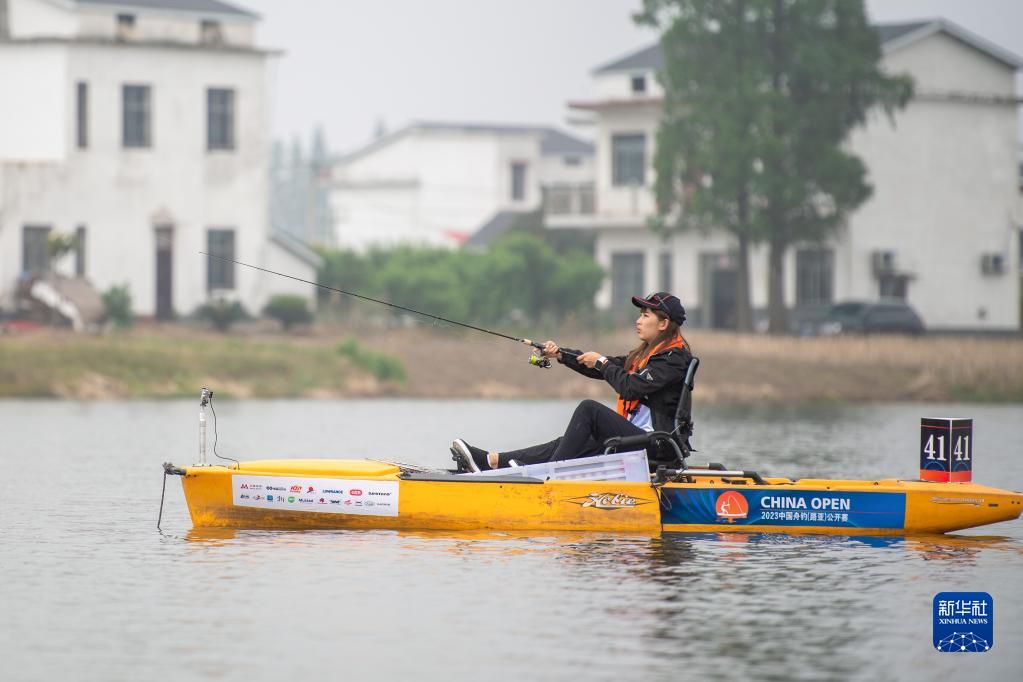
670, 332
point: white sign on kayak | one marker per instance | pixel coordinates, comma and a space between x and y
323, 495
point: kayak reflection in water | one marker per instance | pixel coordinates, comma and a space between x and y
648, 382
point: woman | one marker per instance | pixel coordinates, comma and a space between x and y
648, 382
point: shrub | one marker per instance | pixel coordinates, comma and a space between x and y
520, 277
117, 305
383, 367
221, 314
289, 310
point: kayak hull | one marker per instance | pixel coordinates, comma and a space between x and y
359, 494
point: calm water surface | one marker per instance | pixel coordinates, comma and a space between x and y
91, 591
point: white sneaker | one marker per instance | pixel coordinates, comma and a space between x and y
462, 456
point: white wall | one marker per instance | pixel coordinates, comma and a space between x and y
280, 259
120, 195
433, 186
617, 85
33, 81
553, 170
621, 201
946, 190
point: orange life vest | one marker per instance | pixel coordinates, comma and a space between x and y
626, 407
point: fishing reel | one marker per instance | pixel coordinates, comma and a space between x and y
540, 360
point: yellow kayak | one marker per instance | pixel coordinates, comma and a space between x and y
338, 493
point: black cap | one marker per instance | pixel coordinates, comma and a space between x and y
664, 302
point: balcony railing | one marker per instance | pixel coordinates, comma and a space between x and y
565, 199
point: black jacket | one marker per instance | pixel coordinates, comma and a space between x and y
657, 385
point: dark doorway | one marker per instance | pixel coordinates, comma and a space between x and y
722, 300
164, 273
35, 252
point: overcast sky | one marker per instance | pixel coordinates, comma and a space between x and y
349, 64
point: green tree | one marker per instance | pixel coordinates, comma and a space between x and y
760, 97
343, 269
521, 277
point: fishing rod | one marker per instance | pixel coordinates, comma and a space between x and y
540, 361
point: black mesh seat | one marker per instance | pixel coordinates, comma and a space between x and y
678, 441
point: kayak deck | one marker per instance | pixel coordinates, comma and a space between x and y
303, 494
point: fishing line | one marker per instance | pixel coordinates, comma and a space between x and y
530, 342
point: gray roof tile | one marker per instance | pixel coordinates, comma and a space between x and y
199, 6
651, 58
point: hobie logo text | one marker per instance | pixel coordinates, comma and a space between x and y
607, 501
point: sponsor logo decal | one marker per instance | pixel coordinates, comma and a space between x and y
837, 509
306, 495
731, 505
607, 501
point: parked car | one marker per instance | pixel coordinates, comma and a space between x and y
883, 317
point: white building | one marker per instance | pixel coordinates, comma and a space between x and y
942, 229
140, 126
439, 183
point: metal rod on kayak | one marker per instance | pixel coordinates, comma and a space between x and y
529, 342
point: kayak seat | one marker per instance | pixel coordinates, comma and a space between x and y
678, 441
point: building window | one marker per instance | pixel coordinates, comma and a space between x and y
210, 32
628, 159
137, 116
815, 276
80, 251
664, 268
219, 118
125, 26
893, 286
626, 279
35, 252
518, 181
220, 273
572, 161
82, 114
638, 85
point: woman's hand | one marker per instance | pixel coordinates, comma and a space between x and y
551, 350
589, 358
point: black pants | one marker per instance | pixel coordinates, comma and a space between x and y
591, 424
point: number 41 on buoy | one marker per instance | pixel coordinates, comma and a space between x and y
946, 450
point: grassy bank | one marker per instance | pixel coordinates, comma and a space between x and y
424, 362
